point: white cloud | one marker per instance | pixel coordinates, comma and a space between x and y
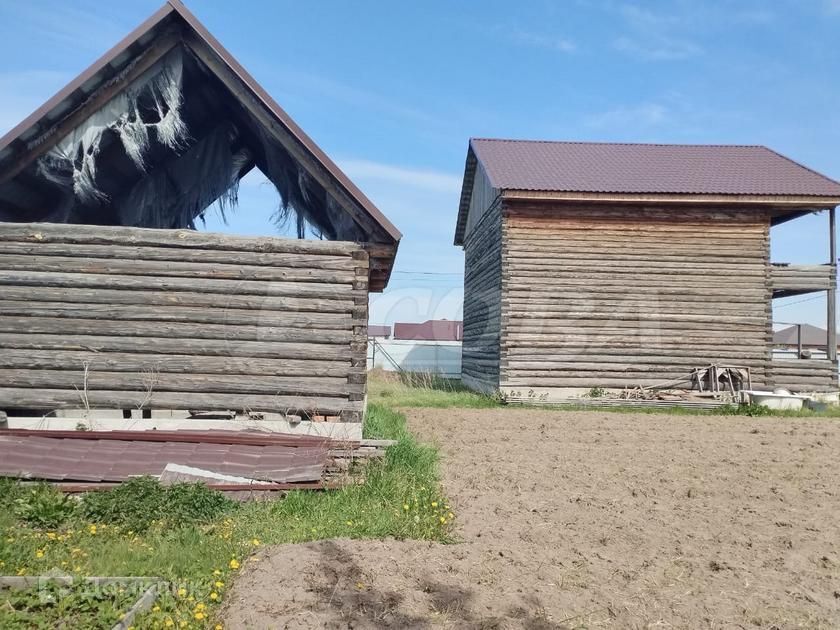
417, 178
657, 48
644, 115
537, 40
69, 25
657, 36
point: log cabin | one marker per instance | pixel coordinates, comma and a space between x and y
613, 266
109, 298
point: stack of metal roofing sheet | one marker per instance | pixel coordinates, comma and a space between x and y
114, 456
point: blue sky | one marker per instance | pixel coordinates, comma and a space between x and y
393, 90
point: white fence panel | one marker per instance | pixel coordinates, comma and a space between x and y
438, 357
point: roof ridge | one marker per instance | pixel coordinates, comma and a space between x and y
609, 143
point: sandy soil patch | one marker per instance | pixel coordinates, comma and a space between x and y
588, 519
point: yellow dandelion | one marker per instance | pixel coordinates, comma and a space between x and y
443, 519
182, 592
216, 572
405, 506
434, 503
51, 535
219, 627
451, 515
214, 596
168, 622
92, 530
234, 564
256, 542
349, 523
220, 584
199, 615
156, 609
22, 571
183, 624
39, 554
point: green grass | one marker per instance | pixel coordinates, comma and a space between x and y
423, 390
400, 497
408, 389
60, 606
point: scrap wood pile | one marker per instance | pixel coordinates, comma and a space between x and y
230, 461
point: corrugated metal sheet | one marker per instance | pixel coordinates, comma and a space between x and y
94, 457
646, 168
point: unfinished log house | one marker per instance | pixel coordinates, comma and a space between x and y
108, 296
594, 265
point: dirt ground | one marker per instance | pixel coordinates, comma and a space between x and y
588, 519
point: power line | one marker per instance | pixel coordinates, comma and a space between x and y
432, 273
810, 299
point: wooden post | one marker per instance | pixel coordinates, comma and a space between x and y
832, 292
799, 341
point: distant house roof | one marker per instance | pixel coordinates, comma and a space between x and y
811, 336
430, 330
375, 330
640, 169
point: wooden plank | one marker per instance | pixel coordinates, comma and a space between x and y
182, 239
177, 330
169, 268
199, 285
217, 314
150, 381
141, 361
153, 298
25, 398
165, 346
216, 256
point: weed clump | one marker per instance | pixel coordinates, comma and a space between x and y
43, 506
139, 502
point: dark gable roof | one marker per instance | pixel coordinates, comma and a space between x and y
647, 168
811, 336
95, 86
652, 169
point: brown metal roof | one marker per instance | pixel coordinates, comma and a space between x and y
644, 169
117, 456
22, 137
647, 168
811, 336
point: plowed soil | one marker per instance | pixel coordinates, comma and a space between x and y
588, 519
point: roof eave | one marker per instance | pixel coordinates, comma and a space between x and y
817, 202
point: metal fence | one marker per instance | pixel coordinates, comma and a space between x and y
436, 357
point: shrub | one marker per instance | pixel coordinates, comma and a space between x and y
44, 506
139, 501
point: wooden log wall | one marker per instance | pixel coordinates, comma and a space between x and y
128, 318
804, 375
482, 302
786, 280
618, 297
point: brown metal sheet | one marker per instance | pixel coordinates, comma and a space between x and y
188, 437
604, 167
38, 455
